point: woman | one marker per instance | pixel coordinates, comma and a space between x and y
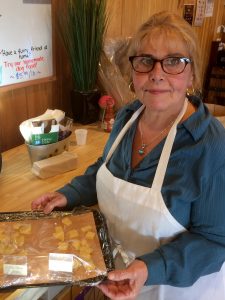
161, 179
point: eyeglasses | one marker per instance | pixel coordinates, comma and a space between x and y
170, 65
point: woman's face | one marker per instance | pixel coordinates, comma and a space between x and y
158, 90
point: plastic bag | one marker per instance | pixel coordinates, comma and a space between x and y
114, 71
59, 248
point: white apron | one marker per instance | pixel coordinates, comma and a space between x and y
139, 222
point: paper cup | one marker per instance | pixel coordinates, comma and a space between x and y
81, 136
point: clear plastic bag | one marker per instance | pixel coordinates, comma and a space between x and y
114, 71
60, 248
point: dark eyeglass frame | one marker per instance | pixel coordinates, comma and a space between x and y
186, 60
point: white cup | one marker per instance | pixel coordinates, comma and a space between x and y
81, 136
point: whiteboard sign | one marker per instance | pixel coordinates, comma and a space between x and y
25, 41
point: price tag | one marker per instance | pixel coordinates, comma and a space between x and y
60, 262
15, 265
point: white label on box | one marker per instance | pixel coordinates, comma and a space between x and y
18, 270
60, 262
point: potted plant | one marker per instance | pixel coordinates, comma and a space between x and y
82, 26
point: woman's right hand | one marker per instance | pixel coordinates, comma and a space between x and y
48, 202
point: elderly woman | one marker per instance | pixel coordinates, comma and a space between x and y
161, 179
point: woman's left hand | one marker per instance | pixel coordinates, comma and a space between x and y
125, 284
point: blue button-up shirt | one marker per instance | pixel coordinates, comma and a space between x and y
193, 190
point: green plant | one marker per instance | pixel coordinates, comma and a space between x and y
82, 26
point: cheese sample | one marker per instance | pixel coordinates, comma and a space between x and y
43, 251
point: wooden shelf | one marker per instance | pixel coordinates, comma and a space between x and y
214, 85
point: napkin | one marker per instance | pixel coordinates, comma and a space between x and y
27, 127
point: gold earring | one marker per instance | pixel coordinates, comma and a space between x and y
190, 91
131, 86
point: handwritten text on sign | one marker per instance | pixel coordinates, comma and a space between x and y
25, 54
19, 64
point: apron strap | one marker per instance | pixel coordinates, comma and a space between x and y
165, 155
123, 131
164, 158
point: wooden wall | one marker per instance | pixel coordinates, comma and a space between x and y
17, 105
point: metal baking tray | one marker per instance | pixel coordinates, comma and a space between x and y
15, 271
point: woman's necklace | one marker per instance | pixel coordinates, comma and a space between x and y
141, 150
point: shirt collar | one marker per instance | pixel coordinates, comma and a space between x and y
196, 124
199, 121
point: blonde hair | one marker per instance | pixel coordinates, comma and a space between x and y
171, 25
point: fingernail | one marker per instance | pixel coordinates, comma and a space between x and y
111, 276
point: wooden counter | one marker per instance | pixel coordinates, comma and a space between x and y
18, 186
